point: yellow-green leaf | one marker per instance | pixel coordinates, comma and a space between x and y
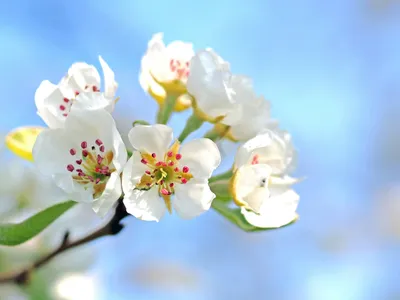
15, 234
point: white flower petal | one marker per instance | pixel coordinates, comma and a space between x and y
202, 156
109, 197
192, 199
270, 148
210, 82
51, 157
81, 74
93, 101
97, 124
250, 185
51, 151
255, 116
159, 58
56, 153
48, 99
133, 172
145, 205
275, 212
151, 138
110, 85
283, 180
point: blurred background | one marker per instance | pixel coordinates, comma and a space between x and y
332, 72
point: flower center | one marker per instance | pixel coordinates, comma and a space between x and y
164, 173
92, 166
179, 68
66, 104
264, 182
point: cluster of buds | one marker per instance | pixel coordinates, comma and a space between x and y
83, 152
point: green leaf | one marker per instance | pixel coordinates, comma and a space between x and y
140, 122
15, 234
235, 216
38, 287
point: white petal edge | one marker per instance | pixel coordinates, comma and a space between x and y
132, 173
151, 138
110, 85
276, 212
93, 101
202, 156
250, 185
43, 92
192, 199
145, 205
102, 205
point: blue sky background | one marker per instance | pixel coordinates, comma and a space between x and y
332, 72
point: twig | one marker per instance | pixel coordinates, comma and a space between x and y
113, 227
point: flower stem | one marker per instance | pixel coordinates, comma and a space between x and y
166, 109
212, 135
226, 175
113, 227
216, 135
192, 124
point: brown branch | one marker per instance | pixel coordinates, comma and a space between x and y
113, 227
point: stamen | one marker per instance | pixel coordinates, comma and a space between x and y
144, 161
76, 93
102, 148
184, 180
72, 151
153, 155
164, 192
171, 163
84, 145
79, 161
66, 100
99, 142
85, 153
185, 169
148, 172
70, 168
178, 156
169, 154
171, 184
62, 107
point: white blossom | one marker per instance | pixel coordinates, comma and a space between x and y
85, 158
156, 171
81, 87
260, 184
165, 64
213, 86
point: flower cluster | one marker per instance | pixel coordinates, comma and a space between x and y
84, 154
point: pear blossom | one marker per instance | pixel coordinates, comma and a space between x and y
255, 113
85, 158
157, 171
260, 185
81, 86
165, 68
212, 86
